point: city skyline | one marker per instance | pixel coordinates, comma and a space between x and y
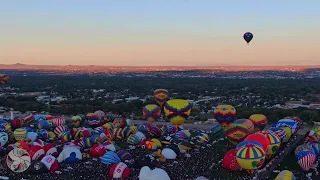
142, 33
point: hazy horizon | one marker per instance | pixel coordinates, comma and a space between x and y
166, 33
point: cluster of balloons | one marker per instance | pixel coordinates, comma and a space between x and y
176, 110
254, 145
309, 152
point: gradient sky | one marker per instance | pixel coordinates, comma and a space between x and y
159, 32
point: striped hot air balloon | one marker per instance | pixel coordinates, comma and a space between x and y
280, 132
250, 156
110, 158
202, 138
275, 142
59, 121
184, 134
124, 155
225, 115
177, 111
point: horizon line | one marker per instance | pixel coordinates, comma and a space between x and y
292, 65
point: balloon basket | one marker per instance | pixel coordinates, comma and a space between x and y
251, 172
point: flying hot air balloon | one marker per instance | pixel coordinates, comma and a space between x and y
151, 112
177, 111
161, 96
225, 115
248, 36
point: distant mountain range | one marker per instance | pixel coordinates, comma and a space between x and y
101, 69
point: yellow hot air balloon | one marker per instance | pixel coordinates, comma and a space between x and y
161, 96
288, 133
177, 111
250, 156
285, 175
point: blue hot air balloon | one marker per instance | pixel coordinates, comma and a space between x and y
248, 37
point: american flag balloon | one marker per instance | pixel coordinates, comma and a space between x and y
306, 159
59, 121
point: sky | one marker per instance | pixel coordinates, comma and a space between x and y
159, 32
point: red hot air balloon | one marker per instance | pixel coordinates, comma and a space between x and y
230, 161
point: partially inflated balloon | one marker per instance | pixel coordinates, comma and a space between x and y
275, 142
230, 161
237, 131
161, 96
259, 120
248, 36
285, 175
151, 112
260, 138
177, 111
225, 115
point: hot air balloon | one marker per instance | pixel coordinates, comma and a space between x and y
151, 112
306, 159
230, 161
292, 124
93, 119
4, 79
250, 156
161, 96
99, 113
260, 138
259, 120
238, 131
248, 36
76, 121
177, 111
110, 158
184, 134
285, 175
315, 146
288, 133
275, 143
225, 115
280, 132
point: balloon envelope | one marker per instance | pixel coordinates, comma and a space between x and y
177, 111
225, 115
248, 36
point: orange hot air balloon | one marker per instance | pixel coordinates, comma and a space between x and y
161, 96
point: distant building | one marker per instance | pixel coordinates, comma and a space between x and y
315, 106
